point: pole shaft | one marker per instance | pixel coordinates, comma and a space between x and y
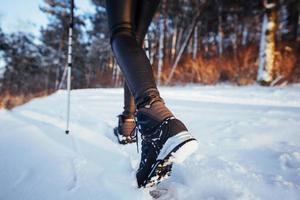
70, 41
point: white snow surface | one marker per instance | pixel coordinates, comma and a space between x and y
249, 146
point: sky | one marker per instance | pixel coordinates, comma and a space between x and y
17, 15
25, 16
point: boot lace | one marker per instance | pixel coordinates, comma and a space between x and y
153, 140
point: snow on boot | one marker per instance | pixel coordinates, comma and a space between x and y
163, 142
125, 131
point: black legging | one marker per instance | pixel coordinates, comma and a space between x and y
128, 22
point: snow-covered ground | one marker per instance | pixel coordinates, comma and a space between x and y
249, 146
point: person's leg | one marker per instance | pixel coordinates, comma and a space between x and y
145, 12
144, 15
129, 54
120, 19
129, 105
162, 134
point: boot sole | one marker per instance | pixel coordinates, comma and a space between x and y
176, 149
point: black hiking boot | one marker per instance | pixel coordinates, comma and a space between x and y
125, 131
163, 143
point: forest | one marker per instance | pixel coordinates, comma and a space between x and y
239, 42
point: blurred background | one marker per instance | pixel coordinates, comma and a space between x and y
239, 42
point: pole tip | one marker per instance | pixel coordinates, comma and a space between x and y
67, 132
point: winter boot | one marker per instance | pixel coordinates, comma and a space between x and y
165, 140
125, 131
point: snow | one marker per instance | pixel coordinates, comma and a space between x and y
249, 146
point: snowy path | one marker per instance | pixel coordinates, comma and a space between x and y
249, 146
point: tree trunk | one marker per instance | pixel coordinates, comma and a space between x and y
265, 73
147, 47
195, 44
174, 39
178, 41
161, 49
190, 47
245, 33
220, 32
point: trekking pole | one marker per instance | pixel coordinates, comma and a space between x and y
69, 63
